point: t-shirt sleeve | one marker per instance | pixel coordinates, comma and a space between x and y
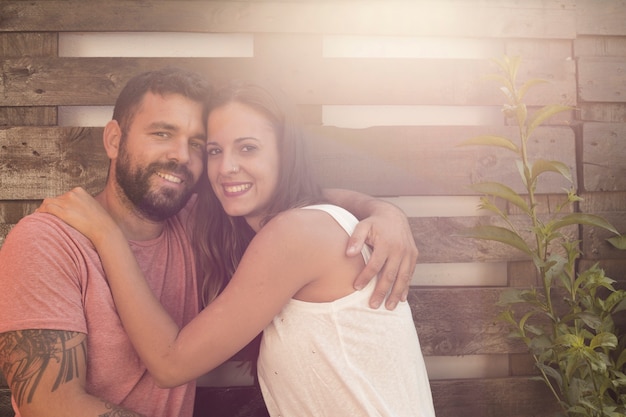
42, 276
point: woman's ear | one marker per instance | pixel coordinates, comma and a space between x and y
111, 138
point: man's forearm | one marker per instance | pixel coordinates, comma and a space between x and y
359, 204
46, 369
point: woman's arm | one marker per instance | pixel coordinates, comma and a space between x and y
385, 228
276, 265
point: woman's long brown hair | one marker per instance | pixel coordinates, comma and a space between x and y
220, 240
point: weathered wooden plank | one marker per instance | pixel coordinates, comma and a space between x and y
438, 240
602, 202
604, 156
468, 324
310, 80
12, 211
522, 274
539, 48
603, 112
601, 17
4, 231
602, 79
19, 44
28, 116
401, 80
443, 18
417, 160
603, 46
522, 364
499, 397
36, 162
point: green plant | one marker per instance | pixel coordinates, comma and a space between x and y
567, 323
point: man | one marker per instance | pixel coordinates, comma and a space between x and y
63, 350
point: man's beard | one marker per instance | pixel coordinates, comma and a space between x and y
156, 206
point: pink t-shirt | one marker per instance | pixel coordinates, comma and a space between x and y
52, 278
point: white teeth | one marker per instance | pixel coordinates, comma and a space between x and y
237, 188
169, 177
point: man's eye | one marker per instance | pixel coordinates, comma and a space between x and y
198, 146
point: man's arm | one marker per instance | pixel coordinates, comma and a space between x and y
46, 370
386, 228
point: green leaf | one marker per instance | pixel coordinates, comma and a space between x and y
605, 340
591, 320
540, 166
621, 361
584, 219
491, 140
568, 340
499, 234
543, 114
618, 241
510, 296
551, 373
528, 84
500, 190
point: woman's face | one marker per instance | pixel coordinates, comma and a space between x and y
242, 161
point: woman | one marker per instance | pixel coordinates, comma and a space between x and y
320, 352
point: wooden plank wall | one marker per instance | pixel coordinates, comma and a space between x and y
578, 45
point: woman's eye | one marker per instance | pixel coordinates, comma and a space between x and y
248, 148
212, 151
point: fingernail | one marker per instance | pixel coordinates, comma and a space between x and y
375, 304
391, 305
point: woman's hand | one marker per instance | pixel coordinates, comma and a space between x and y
81, 211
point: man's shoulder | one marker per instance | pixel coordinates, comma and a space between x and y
41, 229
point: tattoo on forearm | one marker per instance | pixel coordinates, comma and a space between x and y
117, 411
27, 354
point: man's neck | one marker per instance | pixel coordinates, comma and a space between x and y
133, 225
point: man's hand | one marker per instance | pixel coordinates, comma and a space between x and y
393, 257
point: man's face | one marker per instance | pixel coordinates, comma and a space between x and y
161, 155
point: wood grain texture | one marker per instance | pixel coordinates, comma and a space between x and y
536, 19
604, 156
28, 116
468, 324
602, 79
19, 44
37, 162
313, 80
601, 18
389, 161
